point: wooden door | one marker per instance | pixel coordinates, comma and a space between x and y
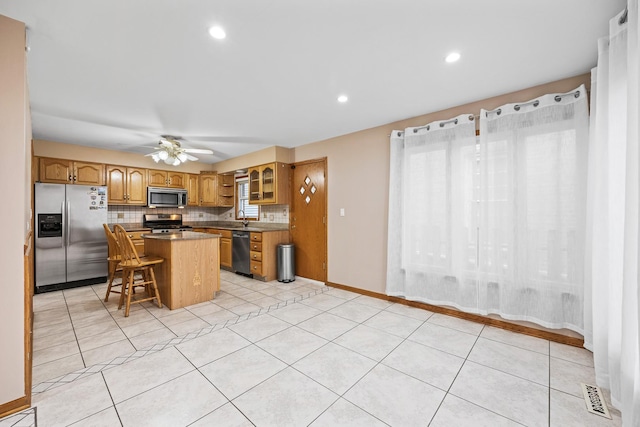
176, 180
116, 185
56, 171
88, 173
157, 178
309, 218
193, 198
136, 186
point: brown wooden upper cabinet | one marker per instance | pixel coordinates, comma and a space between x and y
158, 178
269, 184
126, 186
193, 196
61, 171
208, 188
226, 187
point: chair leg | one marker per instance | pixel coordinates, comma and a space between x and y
155, 287
112, 274
130, 288
125, 280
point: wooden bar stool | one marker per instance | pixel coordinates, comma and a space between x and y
113, 260
131, 263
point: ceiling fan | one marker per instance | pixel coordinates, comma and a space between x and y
171, 152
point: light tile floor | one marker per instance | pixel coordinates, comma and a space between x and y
298, 354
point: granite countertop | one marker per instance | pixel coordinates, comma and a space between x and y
222, 225
181, 235
231, 225
132, 226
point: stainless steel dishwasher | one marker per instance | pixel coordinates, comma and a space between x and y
240, 257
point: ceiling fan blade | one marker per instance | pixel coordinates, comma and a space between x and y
190, 157
166, 142
198, 151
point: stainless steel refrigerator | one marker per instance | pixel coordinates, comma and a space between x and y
71, 247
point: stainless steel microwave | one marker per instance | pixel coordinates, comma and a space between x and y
159, 197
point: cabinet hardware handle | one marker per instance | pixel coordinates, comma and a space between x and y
70, 177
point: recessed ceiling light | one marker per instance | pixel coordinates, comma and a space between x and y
343, 98
217, 33
452, 57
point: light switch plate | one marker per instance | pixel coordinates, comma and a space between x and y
341, 211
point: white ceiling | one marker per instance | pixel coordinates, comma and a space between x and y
117, 74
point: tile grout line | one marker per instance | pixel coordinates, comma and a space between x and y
82, 373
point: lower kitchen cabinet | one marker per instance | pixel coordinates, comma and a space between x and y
137, 240
225, 246
263, 251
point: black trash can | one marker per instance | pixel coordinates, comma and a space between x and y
286, 263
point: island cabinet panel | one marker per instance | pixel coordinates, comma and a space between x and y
190, 273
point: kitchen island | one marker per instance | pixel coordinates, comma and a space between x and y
190, 273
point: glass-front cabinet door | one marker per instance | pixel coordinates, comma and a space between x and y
254, 185
268, 184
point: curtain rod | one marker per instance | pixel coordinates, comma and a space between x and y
471, 118
535, 103
498, 111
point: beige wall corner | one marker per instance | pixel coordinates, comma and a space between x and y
260, 157
14, 167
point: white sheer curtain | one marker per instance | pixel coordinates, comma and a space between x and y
432, 214
612, 318
533, 159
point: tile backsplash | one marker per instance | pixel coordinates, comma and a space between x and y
133, 214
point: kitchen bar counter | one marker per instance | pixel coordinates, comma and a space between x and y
222, 225
190, 273
180, 235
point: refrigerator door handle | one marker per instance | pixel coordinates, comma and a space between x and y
64, 223
68, 221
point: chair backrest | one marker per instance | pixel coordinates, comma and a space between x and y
114, 250
127, 248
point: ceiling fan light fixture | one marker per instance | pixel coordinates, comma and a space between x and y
176, 162
182, 157
163, 155
155, 157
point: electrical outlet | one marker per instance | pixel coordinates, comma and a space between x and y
284, 212
271, 218
200, 215
230, 215
120, 215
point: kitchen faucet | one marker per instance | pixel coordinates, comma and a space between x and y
244, 218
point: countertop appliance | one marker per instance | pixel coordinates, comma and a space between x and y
164, 223
70, 245
240, 260
160, 197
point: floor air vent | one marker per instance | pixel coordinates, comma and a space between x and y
595, 400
